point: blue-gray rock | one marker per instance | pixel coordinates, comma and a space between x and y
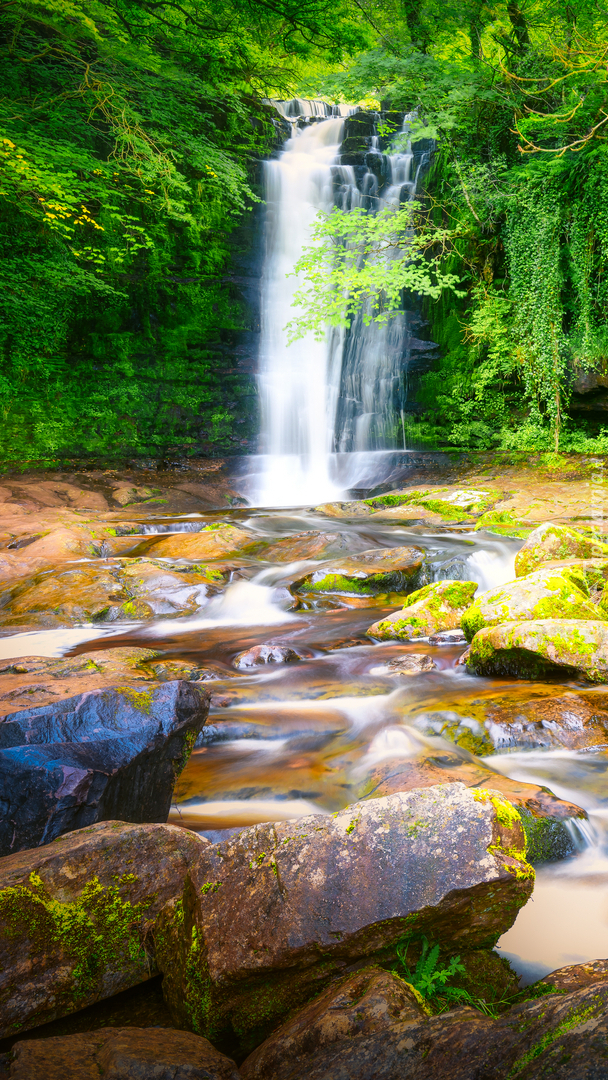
106, 754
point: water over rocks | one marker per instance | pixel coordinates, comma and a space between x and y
93, 757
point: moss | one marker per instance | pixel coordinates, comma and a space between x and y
339, 583
211, 887
189, 740
575, 1018
546, 838
94, 934
139, 699
503, 523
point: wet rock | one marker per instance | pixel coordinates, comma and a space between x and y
122, 1054
408, 664
445, 767
304, 545
544, 594
107, 591
546, 648
367, 573
550, 542
93, 757
212, 542
275, 911
445, 503
127, 494
447, 637
564, 1037
431, 609
264, 654
77, 915
370, 1001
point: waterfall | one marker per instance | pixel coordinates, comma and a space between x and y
323, 400
296, 402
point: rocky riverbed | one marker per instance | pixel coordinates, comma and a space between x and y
364, 721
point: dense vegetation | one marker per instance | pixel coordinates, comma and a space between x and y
130, 135
516, 93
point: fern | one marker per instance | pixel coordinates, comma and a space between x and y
427, 978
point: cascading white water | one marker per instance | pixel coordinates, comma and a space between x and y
297, 406
320, 401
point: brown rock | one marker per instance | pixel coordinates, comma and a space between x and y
121, 1054
305, 545
77, 916
578, 976
408, 664
265, 654
367, 573
370, 1001
212, 542
273, 912
105, 591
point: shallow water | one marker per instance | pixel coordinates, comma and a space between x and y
314, 735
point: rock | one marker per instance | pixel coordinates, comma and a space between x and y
276, 910
408, 664
212, 542
447, 637
448, 767
372, 1000
551, 542
106, 591
77, 916
304, 545
122, 1054
97, 756
577, 976
265, 654
546, 648
367, 573
447, 503
544, 594
431, 609
564, 1037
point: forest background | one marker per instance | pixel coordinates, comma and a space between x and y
130, 141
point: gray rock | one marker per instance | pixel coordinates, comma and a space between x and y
265, 654
276, 910
408, 664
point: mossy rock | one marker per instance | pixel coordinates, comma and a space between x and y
453, 505
428, 610
542, 649
550, 543
368, 573
503, 523
547, 840
545, 594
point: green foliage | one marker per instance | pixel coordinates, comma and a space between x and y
430, 980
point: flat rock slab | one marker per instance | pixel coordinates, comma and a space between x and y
434, 608
367, 573
304, 545
77, 915
545, 648
93, 757
276, 910
212, 542
121, 1054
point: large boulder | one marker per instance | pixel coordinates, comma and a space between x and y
366, 574
550, 542
212, 542
273, 912
77, 916
93, 757
121, 1054
105, 591
546, 648
434, 608
544, 594
562, 1036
